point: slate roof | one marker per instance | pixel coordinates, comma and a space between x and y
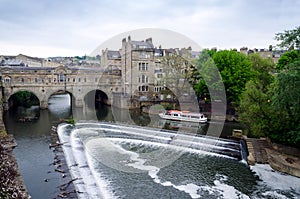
141, 44
158, 52
111, 54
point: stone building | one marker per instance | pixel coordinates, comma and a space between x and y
30, 61
111, 60
26, 61
137, 60
265, 53
140, 66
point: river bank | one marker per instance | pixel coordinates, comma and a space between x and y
67, 189
11, 181
281, 158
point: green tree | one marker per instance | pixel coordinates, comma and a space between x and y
178, 72
289, 39
287, 58
286, 102
255, 108
263, 69
208, 75
236, 70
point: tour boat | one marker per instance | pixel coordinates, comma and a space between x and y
186, 116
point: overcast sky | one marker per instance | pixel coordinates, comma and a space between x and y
45, 28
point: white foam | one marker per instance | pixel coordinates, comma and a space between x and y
83, 167
228, 191
112, 146
102, 182
276, 180
221, 189
79, 168
153, 171
274, 194
150, 132
173, 147
191, 189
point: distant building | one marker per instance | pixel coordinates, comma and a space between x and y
264, 52
111, 60
140, 65
137, 59
26, 61
30, 61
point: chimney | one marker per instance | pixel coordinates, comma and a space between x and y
149, 40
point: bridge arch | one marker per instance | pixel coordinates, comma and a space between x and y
60, 91
9, 100
96, 96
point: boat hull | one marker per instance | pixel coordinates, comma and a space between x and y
184, 119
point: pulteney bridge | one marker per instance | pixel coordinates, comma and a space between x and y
44, 82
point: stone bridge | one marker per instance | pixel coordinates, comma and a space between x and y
44, 82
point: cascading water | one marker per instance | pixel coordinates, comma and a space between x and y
117, 161
244, 151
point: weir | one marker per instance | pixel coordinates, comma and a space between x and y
212, 145
110, 160
132, 149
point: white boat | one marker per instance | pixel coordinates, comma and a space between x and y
186, 116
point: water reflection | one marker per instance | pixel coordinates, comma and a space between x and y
101, 112
60, 106
33, 137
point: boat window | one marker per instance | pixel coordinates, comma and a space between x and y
175, 114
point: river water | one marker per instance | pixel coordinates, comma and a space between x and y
112, 158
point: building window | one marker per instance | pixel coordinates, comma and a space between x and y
144, 55
143, 66
61, 77
22, 80
84, 79
79, 79
143, 88
158, 89
7, 80
49, 80
159, 75
143, 79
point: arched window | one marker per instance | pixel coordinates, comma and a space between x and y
7, 80
61, 77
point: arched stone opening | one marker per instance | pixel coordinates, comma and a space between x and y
62, 96
23, 98
24, 105
96, 98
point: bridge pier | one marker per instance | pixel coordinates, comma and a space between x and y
43, 104
5, 106
78, 103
